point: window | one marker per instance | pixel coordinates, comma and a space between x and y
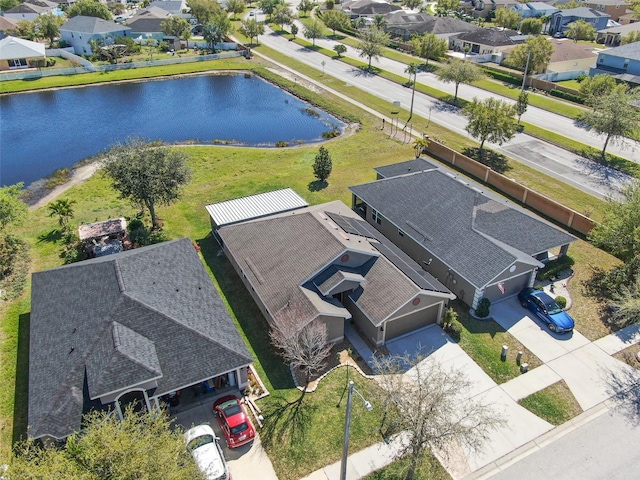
18, 63
400, 233
626, 63
375, 216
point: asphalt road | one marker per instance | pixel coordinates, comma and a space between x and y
604, 448
544, 157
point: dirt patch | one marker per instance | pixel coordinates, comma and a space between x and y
37, 194
342, 354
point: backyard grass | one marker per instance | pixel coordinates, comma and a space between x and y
482, 340
555, 404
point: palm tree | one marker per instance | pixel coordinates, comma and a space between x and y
379, 22
412, 69
420, 144
64, 210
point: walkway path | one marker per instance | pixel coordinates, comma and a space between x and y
587, 367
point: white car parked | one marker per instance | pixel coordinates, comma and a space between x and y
203, 444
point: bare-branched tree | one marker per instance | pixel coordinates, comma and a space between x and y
432, 406
303, 345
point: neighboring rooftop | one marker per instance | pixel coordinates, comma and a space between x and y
91, 25
474, 231
630, 50
107, 324
13, 47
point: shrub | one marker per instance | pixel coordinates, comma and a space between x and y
482, 310
580, 78
282, 143
454, 329
552, 268
560, 300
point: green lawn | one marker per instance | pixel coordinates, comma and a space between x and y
482, 340
555, 404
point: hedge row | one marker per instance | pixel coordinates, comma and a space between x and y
503, 77
567, 96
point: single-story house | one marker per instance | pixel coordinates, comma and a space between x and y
562, 18
612, 37
474, 242
7, 26
622, 62
487, 41
30, 10
128, 327
325, 263
77, 31
147, 23
614, 8
534, 9
568, 56
368, 8
404, 25
17, 52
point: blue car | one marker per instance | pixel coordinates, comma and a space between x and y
547, 310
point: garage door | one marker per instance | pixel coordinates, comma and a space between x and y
409, 323
511, 287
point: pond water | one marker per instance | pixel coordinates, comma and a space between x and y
42, 132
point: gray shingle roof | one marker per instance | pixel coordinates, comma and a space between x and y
402, 168
423, 23
630, 50
279, 254
475, 233
581, 12
124, 318
492, 37
83, 24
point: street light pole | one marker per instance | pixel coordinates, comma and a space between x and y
347, 425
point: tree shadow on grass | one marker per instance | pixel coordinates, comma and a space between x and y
287, 421
249, 317
53, 236
318, 185
494, 160
21, 393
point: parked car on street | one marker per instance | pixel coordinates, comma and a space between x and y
234, 421
547, 310
203, 444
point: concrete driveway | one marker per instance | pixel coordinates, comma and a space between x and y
588, 370
246, 462
520, 425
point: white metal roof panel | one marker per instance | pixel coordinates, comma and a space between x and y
255, 206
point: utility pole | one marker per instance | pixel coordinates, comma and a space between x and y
526, 69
